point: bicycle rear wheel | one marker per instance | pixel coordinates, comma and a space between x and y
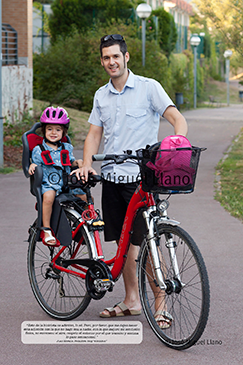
61, 295
190, 306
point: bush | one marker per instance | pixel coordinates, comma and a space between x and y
65, 74
69, 72
167, 33
14, 131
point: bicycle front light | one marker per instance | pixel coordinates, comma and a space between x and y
162, 205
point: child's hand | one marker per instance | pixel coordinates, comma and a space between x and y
32, 168
77, 163
80, 163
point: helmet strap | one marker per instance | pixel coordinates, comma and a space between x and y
58, 143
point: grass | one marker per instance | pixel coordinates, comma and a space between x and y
230, 172
218, 89
7, 170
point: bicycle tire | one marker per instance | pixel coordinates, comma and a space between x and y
46, 288
190, 307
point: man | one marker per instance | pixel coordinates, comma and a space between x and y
127, 111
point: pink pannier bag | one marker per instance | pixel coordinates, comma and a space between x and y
172, 162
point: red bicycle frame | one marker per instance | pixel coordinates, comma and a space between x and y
139, 200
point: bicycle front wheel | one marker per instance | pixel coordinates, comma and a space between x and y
188, 304
61, 295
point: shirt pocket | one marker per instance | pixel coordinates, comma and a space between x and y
136, 118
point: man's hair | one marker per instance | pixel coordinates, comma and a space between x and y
111, 42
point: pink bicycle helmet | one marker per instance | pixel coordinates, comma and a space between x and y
53, 115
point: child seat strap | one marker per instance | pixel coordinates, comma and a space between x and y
47, 159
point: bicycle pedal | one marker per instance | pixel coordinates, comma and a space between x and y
103, 284
98, 223
52, 275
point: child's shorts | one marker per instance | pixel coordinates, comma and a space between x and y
77, 191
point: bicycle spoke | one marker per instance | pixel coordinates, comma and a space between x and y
60, 294
189, 308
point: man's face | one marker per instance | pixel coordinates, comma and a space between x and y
113, 61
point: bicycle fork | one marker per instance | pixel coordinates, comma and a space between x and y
168, 286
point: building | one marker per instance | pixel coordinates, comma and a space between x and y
17, 67
181, 11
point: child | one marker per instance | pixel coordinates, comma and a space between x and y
55, 158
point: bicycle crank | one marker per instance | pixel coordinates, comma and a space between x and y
98, 280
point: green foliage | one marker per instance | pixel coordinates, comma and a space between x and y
210, 50
167, 33
13, 132
83, 14
39, 7
225, 17
69, 72
7, 170
230, 169
65, 74
179, 65
182, 66
235, 62
213, 62
156, 63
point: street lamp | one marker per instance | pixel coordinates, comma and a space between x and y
227, 55
143, 11
195, 41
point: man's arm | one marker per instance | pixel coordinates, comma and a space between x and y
91, 147
177, 120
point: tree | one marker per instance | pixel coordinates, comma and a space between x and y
167, 33
225, 16
83, 14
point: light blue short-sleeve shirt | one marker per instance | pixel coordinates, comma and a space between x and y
130, 120
52, 176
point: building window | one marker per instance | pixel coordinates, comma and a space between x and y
9, 45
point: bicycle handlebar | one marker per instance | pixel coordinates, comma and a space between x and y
118, 159
92, 181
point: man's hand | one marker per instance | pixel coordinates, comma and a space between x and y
83, 172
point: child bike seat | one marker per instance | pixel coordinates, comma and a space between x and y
30, 139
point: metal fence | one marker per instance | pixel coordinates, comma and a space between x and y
9, 45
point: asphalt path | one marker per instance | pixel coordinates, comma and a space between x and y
218, 235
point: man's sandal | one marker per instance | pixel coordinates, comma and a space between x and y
51, 237
163, 319
124, 311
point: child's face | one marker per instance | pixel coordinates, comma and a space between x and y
54, 132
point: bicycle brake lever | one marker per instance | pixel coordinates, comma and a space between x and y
95, 178
119, 160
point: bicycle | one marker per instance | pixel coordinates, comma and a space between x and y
170, 267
